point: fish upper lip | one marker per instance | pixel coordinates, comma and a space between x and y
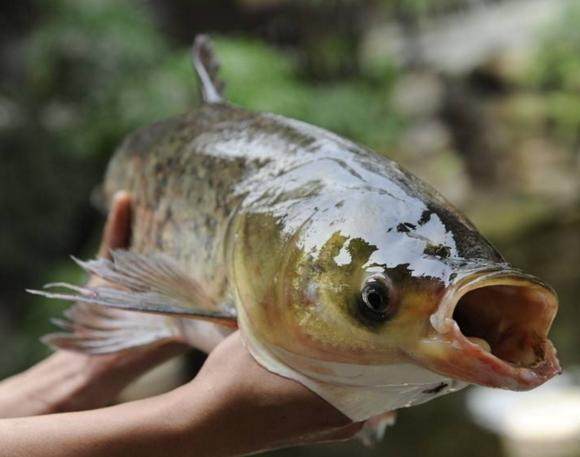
483, 367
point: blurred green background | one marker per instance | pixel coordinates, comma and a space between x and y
479, 98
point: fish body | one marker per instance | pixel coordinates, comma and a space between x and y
342, 270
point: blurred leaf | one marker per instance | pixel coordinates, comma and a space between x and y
261, 78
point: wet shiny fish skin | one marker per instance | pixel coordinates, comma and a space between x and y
274, 185
280, 214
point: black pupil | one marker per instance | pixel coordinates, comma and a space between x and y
375, 297
375, 300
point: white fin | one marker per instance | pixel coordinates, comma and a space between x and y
206, 66
96, 330
147, 283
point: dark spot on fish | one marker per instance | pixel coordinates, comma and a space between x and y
425, 216
452, 276
435, 390
406, 227
437, 250
340, 204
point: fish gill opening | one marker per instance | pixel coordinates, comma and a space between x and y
510, 321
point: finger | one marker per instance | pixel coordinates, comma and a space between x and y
117, 231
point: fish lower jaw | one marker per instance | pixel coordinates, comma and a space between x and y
472, 360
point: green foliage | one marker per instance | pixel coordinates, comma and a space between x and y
558, 63
100, 69
555, 74
262, 78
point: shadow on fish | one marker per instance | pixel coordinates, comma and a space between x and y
342, 270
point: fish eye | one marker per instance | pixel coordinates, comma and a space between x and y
375, 301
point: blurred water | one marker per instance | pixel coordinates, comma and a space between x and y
542, 422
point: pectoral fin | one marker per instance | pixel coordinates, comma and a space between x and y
144, 283
98, 330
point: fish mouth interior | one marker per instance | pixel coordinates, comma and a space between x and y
510, 320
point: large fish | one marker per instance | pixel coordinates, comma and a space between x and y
342, 270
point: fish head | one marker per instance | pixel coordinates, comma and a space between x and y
471, 318
376, 288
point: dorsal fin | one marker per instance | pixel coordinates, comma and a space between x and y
206, 66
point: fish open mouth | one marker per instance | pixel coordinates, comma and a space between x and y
494, 326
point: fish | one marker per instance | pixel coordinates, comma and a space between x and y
341, 269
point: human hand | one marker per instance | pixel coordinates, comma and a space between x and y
235, 407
